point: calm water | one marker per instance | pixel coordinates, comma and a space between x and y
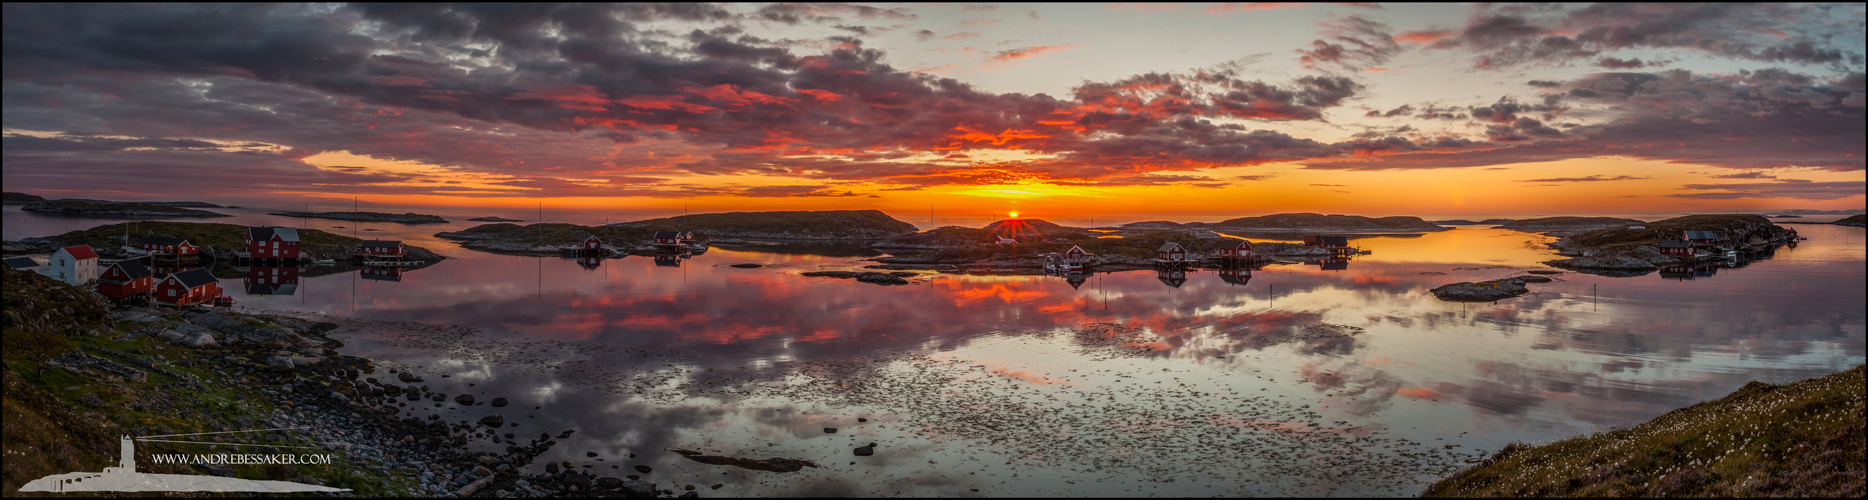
984, 383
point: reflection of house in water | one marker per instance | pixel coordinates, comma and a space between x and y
1172, 277
1075, 279
383, 273
668, 260
1236, 276
1331, 264
271, 280
589, 262
1687, 272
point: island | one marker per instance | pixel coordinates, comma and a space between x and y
1021, 246
1561, 226
493, 219
12, 198
218, 241
405, 218
1857, 220
1626, 249
1803, 439
1466, 222
1487, 291
1333, 223
840, 225
114, 209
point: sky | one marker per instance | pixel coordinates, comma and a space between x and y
1062, 110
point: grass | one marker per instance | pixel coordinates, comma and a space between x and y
1801, 439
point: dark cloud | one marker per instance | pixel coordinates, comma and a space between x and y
1613, 63
1354, 43
1782, 188
1505, 36
1400, 111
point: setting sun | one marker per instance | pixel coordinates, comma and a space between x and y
1014, 215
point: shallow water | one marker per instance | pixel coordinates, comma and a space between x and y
987, 383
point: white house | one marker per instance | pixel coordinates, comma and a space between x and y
72, 265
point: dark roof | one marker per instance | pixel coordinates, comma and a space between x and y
194, 277
1240, 244
21, 262
591, 237
81, 252
266, 233
667, 235
381, 243
1675, 244
163, 241
1171, 246
1702, 235
134, 268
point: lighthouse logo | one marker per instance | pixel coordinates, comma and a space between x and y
124, 477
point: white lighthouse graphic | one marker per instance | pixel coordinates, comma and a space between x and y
124, 477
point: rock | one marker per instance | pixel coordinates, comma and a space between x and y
610, 482
643, 469
717, 486
405, 377
551, 467
464, 400
860, 419
864, 451
340, 397
1533, 279
590, 453
1484, 291
494, 420
691, 494
747, 265
499, 402
830, 430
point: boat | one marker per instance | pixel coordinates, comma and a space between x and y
1731, 254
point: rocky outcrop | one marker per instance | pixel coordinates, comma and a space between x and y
843, 225
895, 278
1624, 249
493, 219
1308, 222
112, 208
1568, 224
1857, 220
404, 218
1484, 291
12, 198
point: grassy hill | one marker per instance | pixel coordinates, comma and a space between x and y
1857, 220
1803, 439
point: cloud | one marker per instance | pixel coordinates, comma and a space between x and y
1592, 178
1783, 188
1400, 111
1508, 36
1613, 63
1356, 43
1230, 7
960, 36
1746, 175
1031, 52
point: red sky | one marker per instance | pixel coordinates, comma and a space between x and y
1065, 110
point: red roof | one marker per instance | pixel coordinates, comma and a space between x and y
81, 252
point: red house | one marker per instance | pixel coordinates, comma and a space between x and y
590, 244
187, 288
1171, 252
272, 242
380, 248
125, 279
1236, 249
1171, 277
674, 238
1328, 242
1678, 248
1236, 276
170, 246
1076, 255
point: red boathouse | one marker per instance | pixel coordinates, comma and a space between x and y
125, 279
1171, 252
1677, 248
187, 288
1236, 249
176, 247
381, 249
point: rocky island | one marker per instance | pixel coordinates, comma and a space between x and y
405, 218
12, 198
1333, 223
219, 241
962, 249
493, 219
1857, 220
840, 225
1487, 291
1560, 226
114, 209
1622, 249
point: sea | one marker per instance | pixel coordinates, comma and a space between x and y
1316, 379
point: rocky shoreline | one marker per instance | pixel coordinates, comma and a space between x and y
1631, 250
285, 372
404, 218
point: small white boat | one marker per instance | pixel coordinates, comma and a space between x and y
1731, 254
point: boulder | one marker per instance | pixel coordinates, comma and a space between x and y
498, 402
464, 400
494, 420
1484, 291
